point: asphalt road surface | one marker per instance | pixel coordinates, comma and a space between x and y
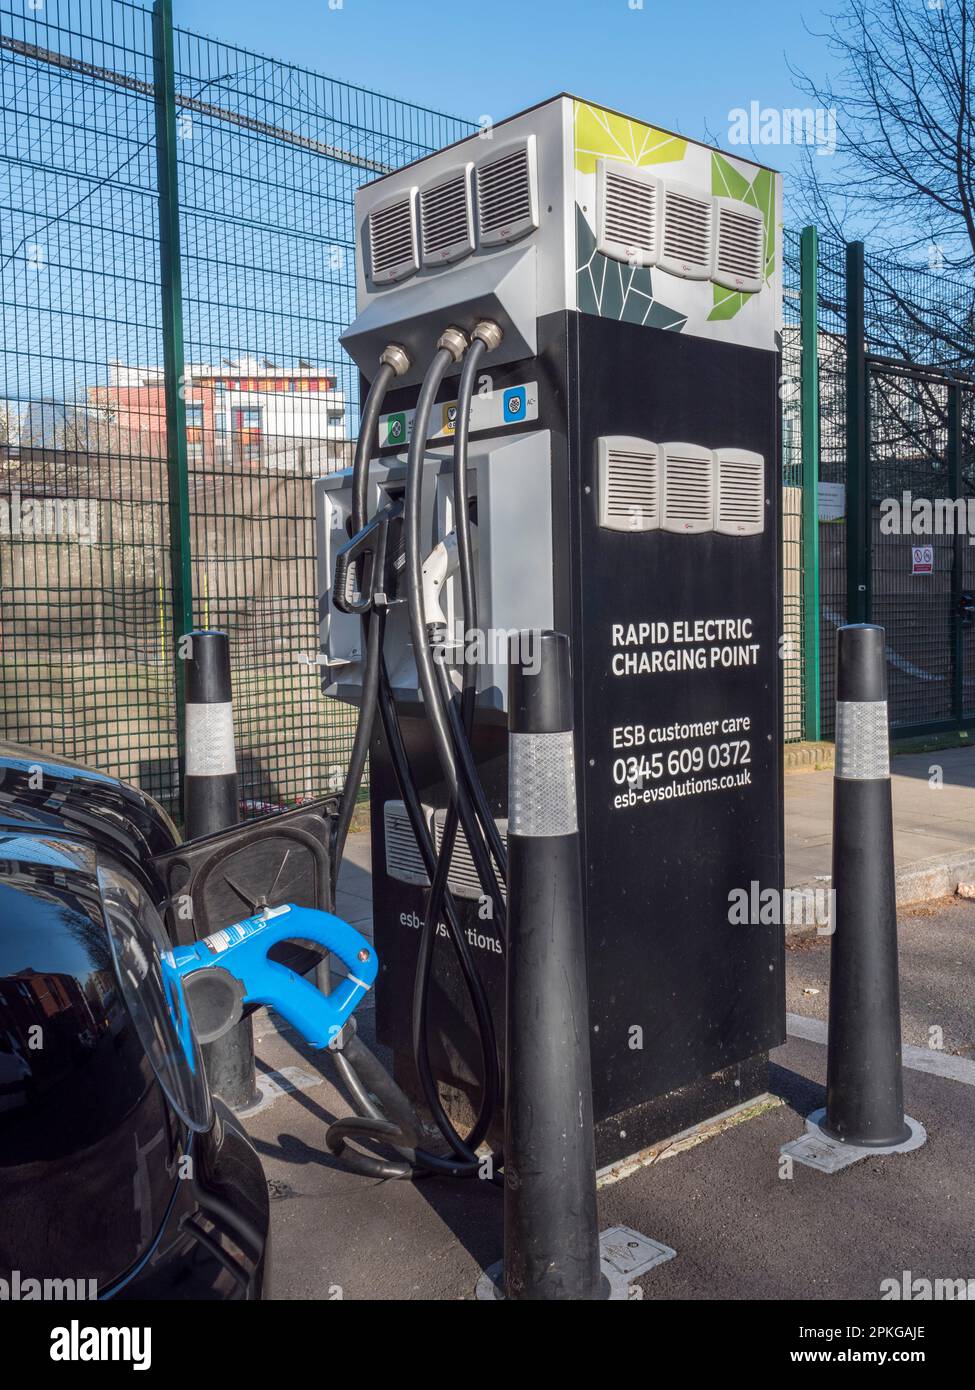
740, 1226
937, 962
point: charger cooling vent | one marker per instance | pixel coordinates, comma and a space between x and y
740, 492
392, 240
462, 878
687, 225
629, 483
627, 203
507, 198
687, 488
403, 858
447, 218
739, 246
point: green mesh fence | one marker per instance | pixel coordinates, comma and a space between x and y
920, 349
268, 159
83, 563
921, 377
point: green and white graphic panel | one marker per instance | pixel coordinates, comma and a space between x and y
673, 234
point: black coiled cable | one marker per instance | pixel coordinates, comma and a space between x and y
395, 1123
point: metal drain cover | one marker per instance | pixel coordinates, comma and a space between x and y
629, 1254
816, 1151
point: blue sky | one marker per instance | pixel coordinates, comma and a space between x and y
682, 64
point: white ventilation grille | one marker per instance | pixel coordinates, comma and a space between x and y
687, 225
739, 246
629, 483
739, 508
687, 488
627, 206
392, 240
507, 197
462, 878
447, 218
403, 858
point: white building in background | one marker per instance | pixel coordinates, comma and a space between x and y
248, 410
281, 402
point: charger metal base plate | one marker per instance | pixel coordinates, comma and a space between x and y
624, 1255
821, 1151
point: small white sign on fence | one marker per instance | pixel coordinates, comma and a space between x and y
922, 559
832, 501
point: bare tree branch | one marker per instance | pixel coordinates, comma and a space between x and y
902, 173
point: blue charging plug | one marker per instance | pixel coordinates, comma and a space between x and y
241, 953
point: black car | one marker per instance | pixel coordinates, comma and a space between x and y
120, 1175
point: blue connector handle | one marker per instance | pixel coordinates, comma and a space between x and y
241, 950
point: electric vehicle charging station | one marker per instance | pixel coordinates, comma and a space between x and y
622, 470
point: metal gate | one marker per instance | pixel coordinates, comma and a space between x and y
917, 529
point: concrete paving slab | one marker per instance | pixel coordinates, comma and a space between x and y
355, 879
934, 812
354, 909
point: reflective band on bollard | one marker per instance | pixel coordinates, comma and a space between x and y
210, 740
541, 784
210, 791
864, 1089
862, 747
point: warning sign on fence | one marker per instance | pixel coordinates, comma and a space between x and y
922, 559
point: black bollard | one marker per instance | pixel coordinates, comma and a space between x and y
551, 1237
211, 802
210, 789
864, 1088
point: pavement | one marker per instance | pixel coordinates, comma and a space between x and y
742, 1224
934, 823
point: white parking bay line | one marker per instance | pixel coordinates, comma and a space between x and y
916, 1058
812, 1029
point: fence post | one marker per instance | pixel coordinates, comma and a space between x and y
858, 521
809, 407
171, 293
956, 490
